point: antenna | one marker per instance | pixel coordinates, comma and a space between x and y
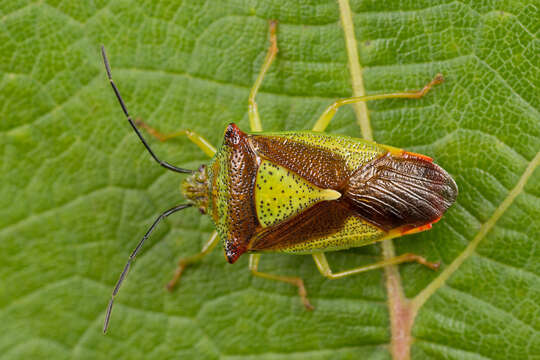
132, 257
124, 108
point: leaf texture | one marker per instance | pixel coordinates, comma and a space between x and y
77, 189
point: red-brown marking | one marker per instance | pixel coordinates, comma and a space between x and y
320, 167
421, 156
240, 207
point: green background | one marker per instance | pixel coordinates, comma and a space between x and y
77, 189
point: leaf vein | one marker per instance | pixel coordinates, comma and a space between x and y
460, 352
440, 280
495, 308
520, 271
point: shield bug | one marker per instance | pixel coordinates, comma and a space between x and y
303, 192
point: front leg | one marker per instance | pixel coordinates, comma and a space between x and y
194, 137
185, 262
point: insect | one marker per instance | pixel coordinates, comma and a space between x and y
303, 192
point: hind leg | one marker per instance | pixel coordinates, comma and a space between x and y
330, 111
326, 271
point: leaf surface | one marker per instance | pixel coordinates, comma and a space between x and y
77, 189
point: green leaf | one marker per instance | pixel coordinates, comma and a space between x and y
77, 189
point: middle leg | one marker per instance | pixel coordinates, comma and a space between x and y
296, 281
254, 119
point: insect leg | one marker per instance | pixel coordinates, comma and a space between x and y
195, 138
254, 120
330, 111
296, 281
324, 268
184, 262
